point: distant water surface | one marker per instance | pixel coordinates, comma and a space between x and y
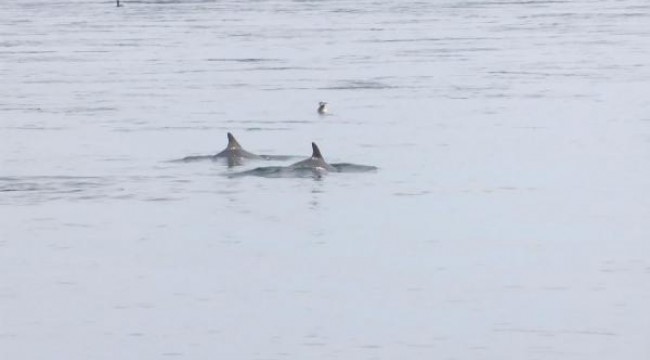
507, 220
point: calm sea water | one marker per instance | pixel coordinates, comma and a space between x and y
508, 218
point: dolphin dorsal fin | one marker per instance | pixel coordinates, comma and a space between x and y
316, 151
232, 142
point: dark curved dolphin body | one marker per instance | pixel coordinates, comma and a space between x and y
315, 162
234, 154
315, 166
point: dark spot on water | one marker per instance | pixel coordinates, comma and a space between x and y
162, 199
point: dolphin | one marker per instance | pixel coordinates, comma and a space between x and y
315, 166
234, 154
315, 162
234, 151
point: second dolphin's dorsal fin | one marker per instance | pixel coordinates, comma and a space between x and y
316, 151
232, 142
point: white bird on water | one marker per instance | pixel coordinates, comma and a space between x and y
322, 108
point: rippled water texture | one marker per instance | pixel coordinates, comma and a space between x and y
508, 217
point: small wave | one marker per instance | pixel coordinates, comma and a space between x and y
360, 85
244, 60
47, 187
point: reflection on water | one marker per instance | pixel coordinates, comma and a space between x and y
507, 218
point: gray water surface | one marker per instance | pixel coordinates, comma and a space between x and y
508, 218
